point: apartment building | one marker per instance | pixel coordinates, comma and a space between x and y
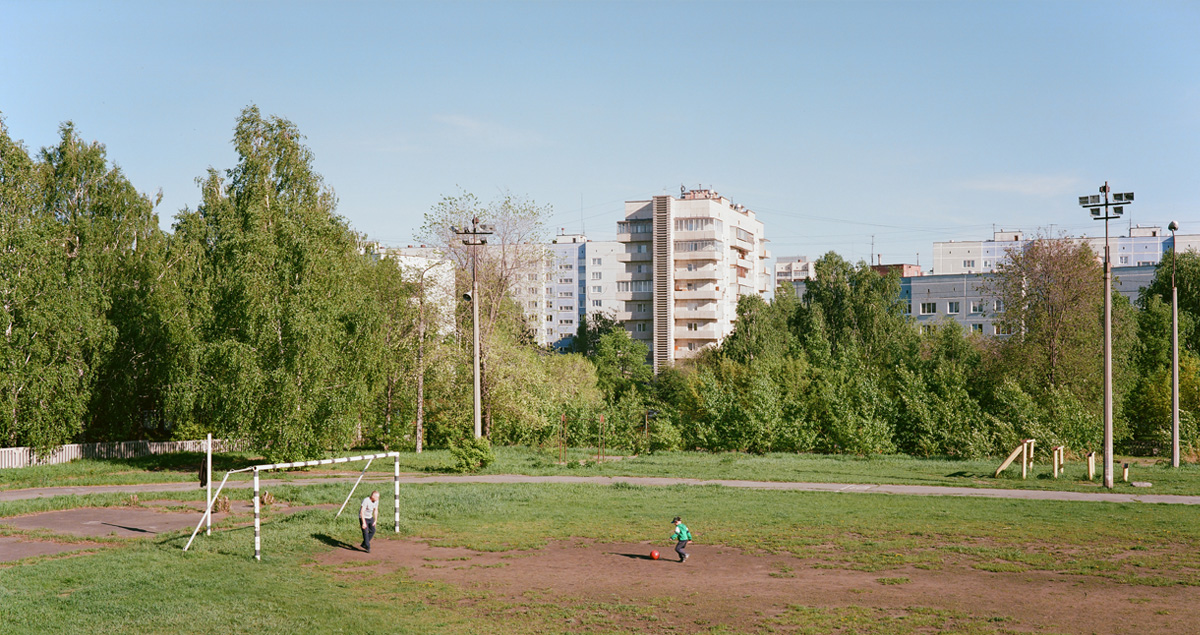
1140, 247
792, 268
426, 268
686, 262
581, 280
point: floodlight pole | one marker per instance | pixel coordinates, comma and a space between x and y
475, 232
1174, 353
1094, 204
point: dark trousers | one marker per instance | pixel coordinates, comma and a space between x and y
368, 534
679, 548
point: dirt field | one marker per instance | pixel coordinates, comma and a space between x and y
722, 586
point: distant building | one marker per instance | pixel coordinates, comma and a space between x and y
686, 261
1143, 246
963, 297
792, 268
582, 280
426, 268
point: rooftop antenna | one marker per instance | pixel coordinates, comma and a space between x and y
582, 226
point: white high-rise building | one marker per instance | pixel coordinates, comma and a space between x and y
581, 280
1142, 247
686, 261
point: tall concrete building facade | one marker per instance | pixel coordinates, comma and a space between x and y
1141, 247
581, 280
686, 261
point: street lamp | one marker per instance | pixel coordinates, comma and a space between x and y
1102, 208
475, 232
1174, 354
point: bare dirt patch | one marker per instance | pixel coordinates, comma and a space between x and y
143, 521
743, 591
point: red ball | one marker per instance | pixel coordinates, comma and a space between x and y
654, 555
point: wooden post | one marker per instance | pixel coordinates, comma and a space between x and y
562, 440
1125, 472
1091, 458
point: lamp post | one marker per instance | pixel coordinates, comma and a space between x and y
1174, 354
1103, 207
475, 232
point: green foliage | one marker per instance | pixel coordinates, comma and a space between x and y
471, 454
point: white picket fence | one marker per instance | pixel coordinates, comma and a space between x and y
24, 457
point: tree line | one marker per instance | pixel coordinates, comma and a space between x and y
258, 317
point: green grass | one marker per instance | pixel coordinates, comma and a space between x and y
814, 468
152, 586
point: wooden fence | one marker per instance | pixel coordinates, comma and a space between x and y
24, 457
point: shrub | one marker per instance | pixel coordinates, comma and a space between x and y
471, 455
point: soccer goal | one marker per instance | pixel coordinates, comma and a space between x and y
256, 469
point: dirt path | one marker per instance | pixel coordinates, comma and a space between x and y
413, 479
724, 586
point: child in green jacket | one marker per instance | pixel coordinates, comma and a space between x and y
683, 536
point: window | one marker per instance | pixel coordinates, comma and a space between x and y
566, 321
636, 286
634, 227
549, 318
533, 276
969, 264
566, 307
691, 266
642, 307
595, 275
533, 304
691, 286
565, 294
597, 303
745, 235
641, 249
640, 269
977, 329
928, 308
596, 289
641, 327
532, 290
998, 305
692, 224
566, 280
691, 346
1001, 330
952, 308
927, 329
596, 261
692, 326
696, 245
1124, 260
566, 267
977, 307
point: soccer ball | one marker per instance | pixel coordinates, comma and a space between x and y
654, 555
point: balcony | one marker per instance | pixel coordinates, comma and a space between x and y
634, 257
698, 255
697, 234
707, 333
698, 294
702, 314
626, 237
703, 273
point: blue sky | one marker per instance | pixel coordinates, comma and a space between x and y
907, 121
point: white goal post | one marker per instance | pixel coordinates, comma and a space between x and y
283, 466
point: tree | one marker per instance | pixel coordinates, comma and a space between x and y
287, 343
621, 364
52, 308
1052, 305
513, 251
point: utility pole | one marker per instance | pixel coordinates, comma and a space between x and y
477, 233
1102, 207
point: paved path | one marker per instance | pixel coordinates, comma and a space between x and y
912, 490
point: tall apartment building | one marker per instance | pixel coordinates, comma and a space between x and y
686, 261
426, 268
1142, 247
581, 279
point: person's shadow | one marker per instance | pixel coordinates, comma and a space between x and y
334, 542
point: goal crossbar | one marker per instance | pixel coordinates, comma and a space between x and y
282, 466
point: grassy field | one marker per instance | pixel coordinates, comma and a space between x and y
582, 461
152, 586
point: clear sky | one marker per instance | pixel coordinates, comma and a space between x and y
835, 121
